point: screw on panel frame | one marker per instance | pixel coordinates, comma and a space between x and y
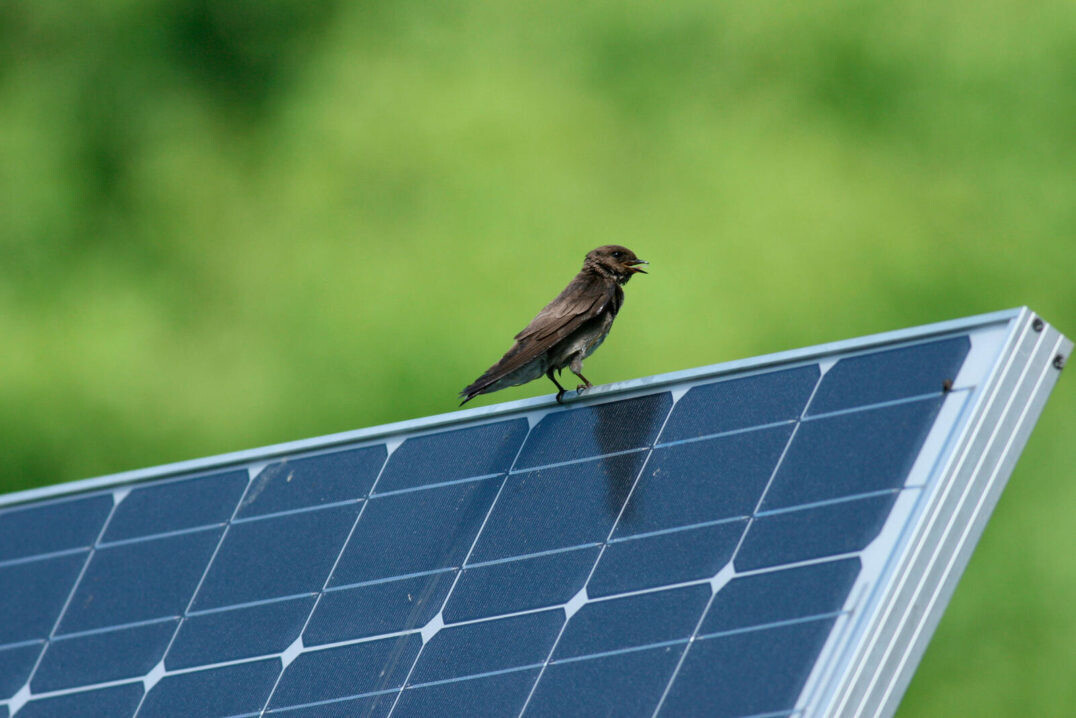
1037, 324
1059, 361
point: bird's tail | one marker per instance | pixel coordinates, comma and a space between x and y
480, 386
485, 383
502, 374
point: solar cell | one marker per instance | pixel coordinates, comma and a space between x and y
737, 540
504, 587
488, 697
632, 681
283, 555
121, 700
71, 661
666, 558
402, 604
176, 505
235, 633
57, 526
33, 593
139, 581
749, 673
312, 481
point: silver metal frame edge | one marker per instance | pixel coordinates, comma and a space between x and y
601, 393
969, 486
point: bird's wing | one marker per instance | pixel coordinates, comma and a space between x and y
584, 298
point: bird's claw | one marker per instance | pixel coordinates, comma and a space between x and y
560, 396
581, 388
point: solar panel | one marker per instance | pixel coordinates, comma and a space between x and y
771, 537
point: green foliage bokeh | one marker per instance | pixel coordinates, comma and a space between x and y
224, 225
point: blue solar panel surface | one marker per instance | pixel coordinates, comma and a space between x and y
686, 551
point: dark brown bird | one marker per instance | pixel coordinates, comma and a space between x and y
570, 327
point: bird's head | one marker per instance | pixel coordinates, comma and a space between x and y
615, 261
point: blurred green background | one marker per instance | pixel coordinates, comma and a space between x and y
224, 225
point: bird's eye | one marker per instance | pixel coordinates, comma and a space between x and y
617, 255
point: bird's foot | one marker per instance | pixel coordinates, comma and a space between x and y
560, 396
583, 387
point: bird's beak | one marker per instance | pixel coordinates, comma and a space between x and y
633, 265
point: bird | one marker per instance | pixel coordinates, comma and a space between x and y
568, 329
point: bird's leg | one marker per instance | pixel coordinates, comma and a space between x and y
560, 389
576, 365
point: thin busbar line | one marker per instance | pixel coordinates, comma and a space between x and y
108, 629
328, 702
162, 535
42, 556
736, 551
69, 690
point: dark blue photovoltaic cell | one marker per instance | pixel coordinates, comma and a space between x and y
114, 702
347, 671
664, 559
781, 595
376, 706
279, 556
746, 673
804, 534
451, 455
741, 403
377, 608
849, 454
890, 374
228, 691
246, 632
630, 684
487, 697
176, 505
16, 662
587, 495
32, 594
77, 661
415, 531
488, 646
140, 581
633, 621
510, 586
311, 481
704, 480
38, 529
595, 430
